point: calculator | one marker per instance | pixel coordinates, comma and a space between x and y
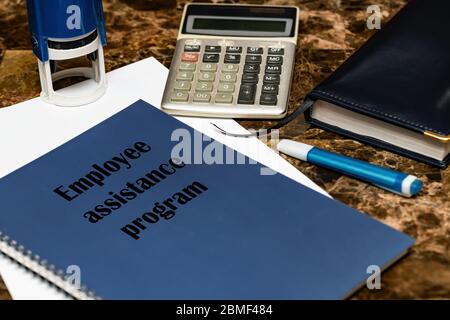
233, 61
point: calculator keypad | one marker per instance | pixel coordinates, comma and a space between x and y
232, 58
191, 48
230, 68
189, 57
211, 57
250, 78
226, 87
208, 67
276, 51
182, 86
255, 50
233, 75
253, 59
180, 96
247, 94
204, 87
214, 49
185, 76
224, 98
271, 78
207, 77
187, 66
202, 97
228, 77
234, 49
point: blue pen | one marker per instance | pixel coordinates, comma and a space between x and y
391, 180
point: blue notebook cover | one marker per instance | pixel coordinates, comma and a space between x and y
140, 225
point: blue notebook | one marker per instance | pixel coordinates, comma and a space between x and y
120, 212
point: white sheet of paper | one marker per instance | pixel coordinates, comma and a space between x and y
30, 129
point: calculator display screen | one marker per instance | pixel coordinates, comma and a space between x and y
240, 21
239, 25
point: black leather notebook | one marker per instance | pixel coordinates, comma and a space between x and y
394, 92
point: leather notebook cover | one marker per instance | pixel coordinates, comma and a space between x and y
400, 76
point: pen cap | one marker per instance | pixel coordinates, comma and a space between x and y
294, 149
411, 186
63, 30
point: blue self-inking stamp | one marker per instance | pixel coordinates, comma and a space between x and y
68, 29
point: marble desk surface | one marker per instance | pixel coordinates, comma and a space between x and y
330, 31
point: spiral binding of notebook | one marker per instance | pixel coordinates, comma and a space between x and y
42, 268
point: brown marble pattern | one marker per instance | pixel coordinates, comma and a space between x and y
330, 31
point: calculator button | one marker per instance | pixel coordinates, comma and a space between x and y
273, 68
276, 51
253, 59
250, 78
211, 67
251, 68
234, 49
232, 58
275, 59
189, 57
268, 100
271, 79
185, 75
207, 76
247, 94
224, 98
270, 88
228, 77
202, 97
230, 68
182, 85
204, 87
179, 96
186, 66
191, 48
255, 50
210, 57
212, 49
225, 87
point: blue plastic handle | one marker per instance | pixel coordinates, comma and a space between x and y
63, 19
